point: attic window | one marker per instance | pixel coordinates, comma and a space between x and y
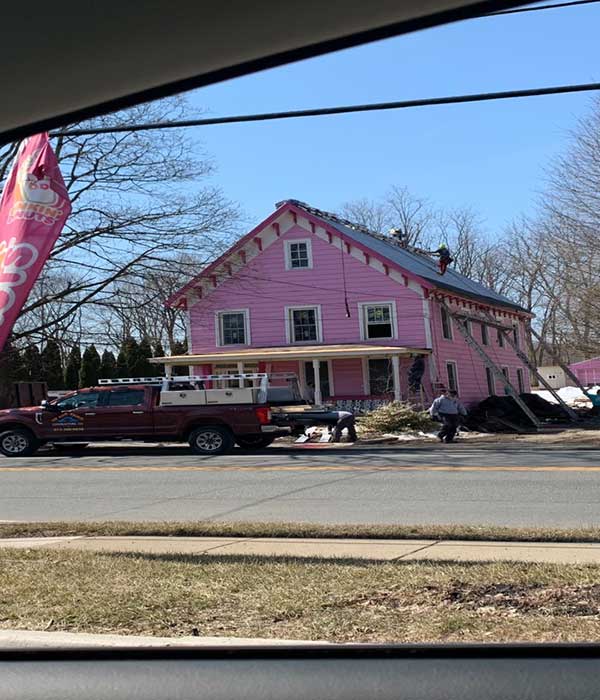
298, 255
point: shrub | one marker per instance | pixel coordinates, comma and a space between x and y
395, 417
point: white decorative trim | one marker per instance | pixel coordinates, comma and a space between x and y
219, 327
365, 373
288, 260
289, 328
361, 318
427, 323
331, 381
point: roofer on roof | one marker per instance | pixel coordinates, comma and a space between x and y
443, 252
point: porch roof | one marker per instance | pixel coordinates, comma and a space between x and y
296, 352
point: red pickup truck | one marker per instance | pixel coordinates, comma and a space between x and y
133, 412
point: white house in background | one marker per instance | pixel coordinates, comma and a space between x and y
555, 376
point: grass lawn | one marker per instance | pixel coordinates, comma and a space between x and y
244, 529
297, 599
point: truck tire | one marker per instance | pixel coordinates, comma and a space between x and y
211, 440
18, 442
254, 442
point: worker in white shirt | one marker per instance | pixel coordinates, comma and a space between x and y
447, 409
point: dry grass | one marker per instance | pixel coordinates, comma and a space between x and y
247, 529
297, 599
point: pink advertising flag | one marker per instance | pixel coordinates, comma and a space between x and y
33, 211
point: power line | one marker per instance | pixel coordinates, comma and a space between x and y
554, 6
328, 111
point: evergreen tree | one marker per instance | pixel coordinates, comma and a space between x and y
108, 365
72, 369
131, 353
180, 348
159, 351
32, 361
90, 367
52, 370
144, 368
122, 364
11, 370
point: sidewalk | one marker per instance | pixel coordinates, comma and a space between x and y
375, 550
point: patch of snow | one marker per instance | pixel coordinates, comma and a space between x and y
571, 395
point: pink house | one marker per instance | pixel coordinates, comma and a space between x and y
347, 310
587, 371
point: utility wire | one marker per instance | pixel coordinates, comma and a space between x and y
327, 111
541, 7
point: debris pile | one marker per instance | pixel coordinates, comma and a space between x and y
502, 414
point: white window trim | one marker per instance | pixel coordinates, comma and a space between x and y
452, 362
288, 257
289, 326
219, 327
362, 305
450, 325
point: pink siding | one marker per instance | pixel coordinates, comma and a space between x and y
265, 288
587, 371
472, 382
348, 377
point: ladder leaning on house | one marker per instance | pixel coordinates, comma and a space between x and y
507, 333
461, 322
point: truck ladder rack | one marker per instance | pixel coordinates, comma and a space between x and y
461, 322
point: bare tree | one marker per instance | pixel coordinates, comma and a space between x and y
140, 201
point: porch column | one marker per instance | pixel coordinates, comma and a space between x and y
240, 370
396, 373
168, 370
317, 373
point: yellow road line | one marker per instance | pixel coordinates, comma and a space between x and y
305, 467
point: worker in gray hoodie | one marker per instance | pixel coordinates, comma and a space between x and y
447, 409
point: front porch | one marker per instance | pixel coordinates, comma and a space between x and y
350, 376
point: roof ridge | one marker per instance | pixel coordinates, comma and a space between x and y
321, 213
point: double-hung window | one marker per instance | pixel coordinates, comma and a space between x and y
233, 327
378, 320
446, 325
304, 324
298, 255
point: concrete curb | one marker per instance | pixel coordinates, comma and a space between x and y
322, 548
26, 639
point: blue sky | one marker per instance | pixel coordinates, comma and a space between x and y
489, 156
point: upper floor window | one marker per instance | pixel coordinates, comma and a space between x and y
485, 336
446, 325
233, 327
515, 332
378, 320
304, 324
500, 338
298, 255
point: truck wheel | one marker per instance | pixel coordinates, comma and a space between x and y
254, 442
18, 442
211, 440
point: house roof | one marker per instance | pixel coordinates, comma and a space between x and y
423, 266
418, 265
296, 352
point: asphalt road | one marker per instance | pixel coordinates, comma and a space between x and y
533, 486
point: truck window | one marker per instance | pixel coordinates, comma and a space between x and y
88, 399
125, 397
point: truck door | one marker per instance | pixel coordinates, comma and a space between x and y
76, 416
124, 412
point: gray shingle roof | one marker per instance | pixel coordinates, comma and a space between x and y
421, 265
